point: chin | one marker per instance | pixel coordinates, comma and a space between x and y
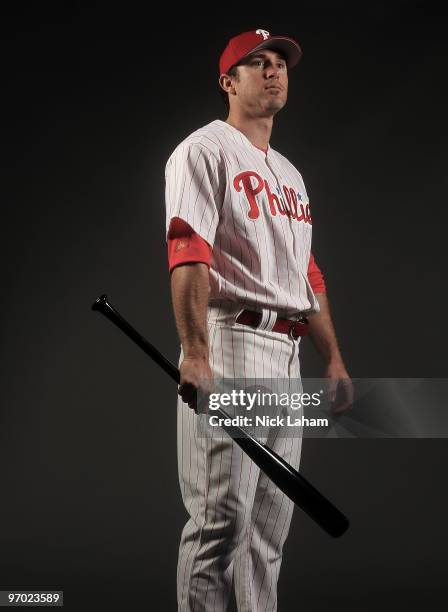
275, 106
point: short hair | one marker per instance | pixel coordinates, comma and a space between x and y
233, 72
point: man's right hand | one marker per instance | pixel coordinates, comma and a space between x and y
196, 378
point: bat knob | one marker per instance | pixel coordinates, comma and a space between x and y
100, 303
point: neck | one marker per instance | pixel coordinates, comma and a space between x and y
257, 129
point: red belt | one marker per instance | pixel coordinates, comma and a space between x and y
292, 328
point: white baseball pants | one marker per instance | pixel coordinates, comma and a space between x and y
239, 519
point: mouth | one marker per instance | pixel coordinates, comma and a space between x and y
275, 87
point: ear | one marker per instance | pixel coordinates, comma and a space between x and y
226, 83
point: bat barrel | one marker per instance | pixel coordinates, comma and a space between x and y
290, 481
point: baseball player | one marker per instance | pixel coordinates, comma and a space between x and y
245, 288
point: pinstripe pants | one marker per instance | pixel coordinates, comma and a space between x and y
239, 519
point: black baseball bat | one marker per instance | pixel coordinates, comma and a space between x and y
293, 484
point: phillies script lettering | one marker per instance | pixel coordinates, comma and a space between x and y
253, 184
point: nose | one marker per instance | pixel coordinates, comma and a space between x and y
272, 72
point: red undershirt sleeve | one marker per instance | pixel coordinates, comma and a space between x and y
185, 246
315, 277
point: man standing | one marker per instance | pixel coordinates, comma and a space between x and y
245, 287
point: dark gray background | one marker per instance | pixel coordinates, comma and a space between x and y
93, 104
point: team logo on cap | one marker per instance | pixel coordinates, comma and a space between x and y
263, 33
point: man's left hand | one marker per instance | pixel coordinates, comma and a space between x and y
340, 388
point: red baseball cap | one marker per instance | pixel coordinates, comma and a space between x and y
239, 46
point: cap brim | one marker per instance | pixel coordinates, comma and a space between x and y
286, 46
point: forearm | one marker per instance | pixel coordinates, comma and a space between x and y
322, 332
189, 292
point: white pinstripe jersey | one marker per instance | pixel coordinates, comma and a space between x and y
252, 209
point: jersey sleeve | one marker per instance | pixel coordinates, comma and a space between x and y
193, 189
315, 277
185, 246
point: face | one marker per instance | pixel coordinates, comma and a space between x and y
261, 88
